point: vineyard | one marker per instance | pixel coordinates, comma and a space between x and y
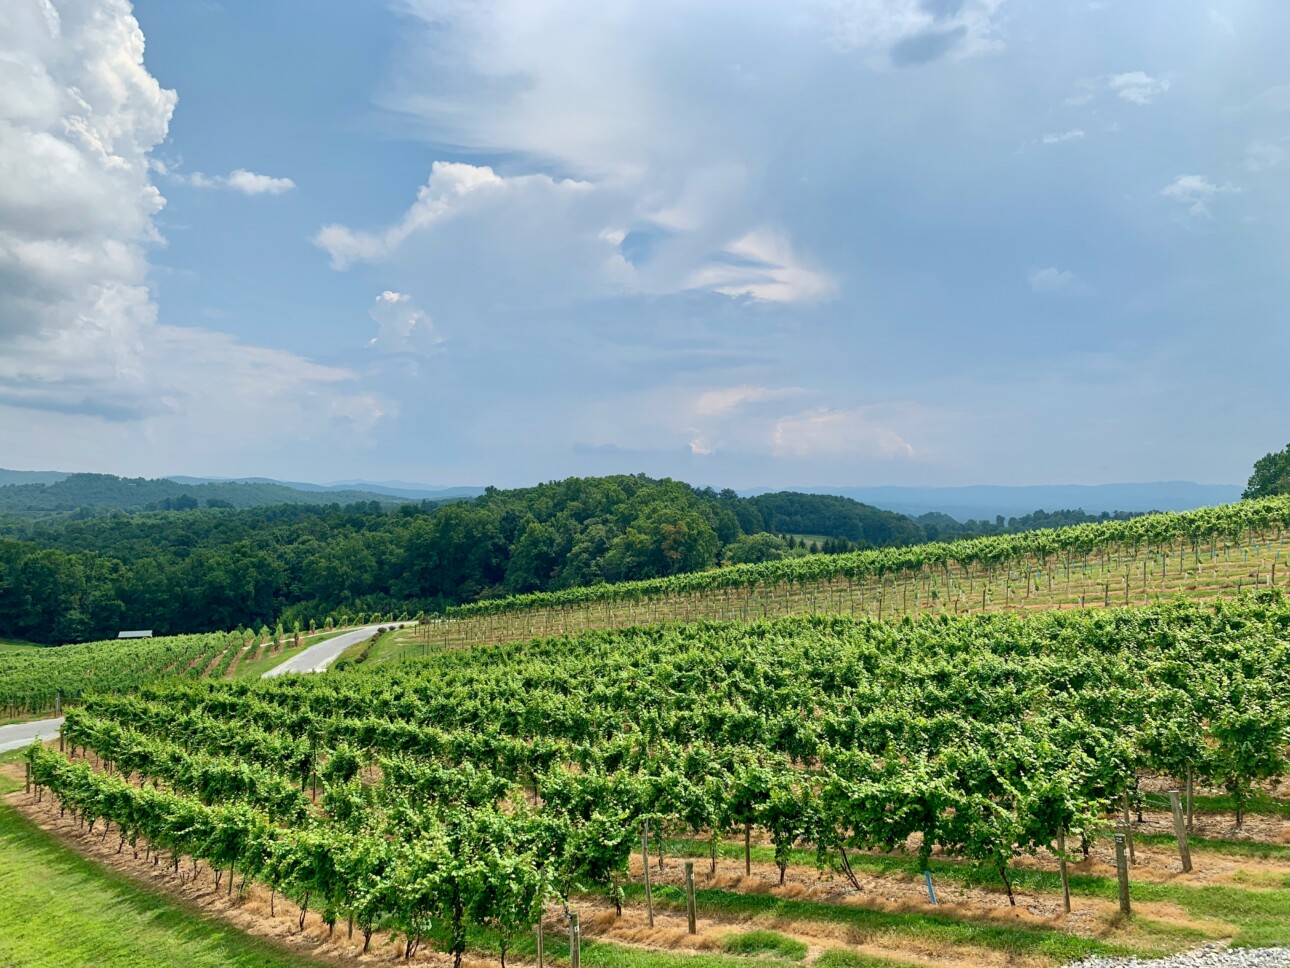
1210, 553
37, 680
458, 802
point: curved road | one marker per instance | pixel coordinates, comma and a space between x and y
316, 658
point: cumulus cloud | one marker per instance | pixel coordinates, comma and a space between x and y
79, 333
759, 264
453, 188
625, 181
401, 325
1138, 87
1196, 192
252, 183
825, 432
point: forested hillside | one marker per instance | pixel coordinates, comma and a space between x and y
91, 492
76, 578
84, 575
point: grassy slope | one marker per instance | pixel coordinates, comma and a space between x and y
59, 910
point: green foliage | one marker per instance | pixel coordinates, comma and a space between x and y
764, 943
982, 738
844, 958
1271, 475
75, 579
87, 492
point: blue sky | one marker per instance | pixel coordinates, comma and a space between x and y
748, 244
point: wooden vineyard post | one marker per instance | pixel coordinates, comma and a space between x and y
649, 897
690, 907
1122, 872
1128, 828
1180, 829
61, 747
1189, 796
58, 704
575, 941
1061, 868
27, 785
541, 953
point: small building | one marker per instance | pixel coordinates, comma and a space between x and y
137, 634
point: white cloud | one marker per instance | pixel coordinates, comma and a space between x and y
251, 183
84, 361
1138, 87
1075, 134
761, 264
1053, 279
453, 188
238, 180
723, 400
700, 448
824, 432
660, 186
1196, 192
401, 326
905, 32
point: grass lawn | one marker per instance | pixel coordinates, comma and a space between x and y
1258, 917
58, 910
394, 646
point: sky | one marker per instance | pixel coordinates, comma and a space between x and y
746, 244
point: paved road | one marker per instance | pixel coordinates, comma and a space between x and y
17, 736
318, 657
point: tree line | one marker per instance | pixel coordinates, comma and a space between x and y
81, 577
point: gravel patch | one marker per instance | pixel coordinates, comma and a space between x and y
1206, 956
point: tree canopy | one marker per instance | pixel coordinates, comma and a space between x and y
1271, 475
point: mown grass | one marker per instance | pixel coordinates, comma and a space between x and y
1259, 917
396, 645
595, 953
764, 943
59, 910
1232, 848
842, 958
925, 926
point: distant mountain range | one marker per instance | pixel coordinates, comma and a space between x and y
44, 493
412, 492
985, 501
54, 491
